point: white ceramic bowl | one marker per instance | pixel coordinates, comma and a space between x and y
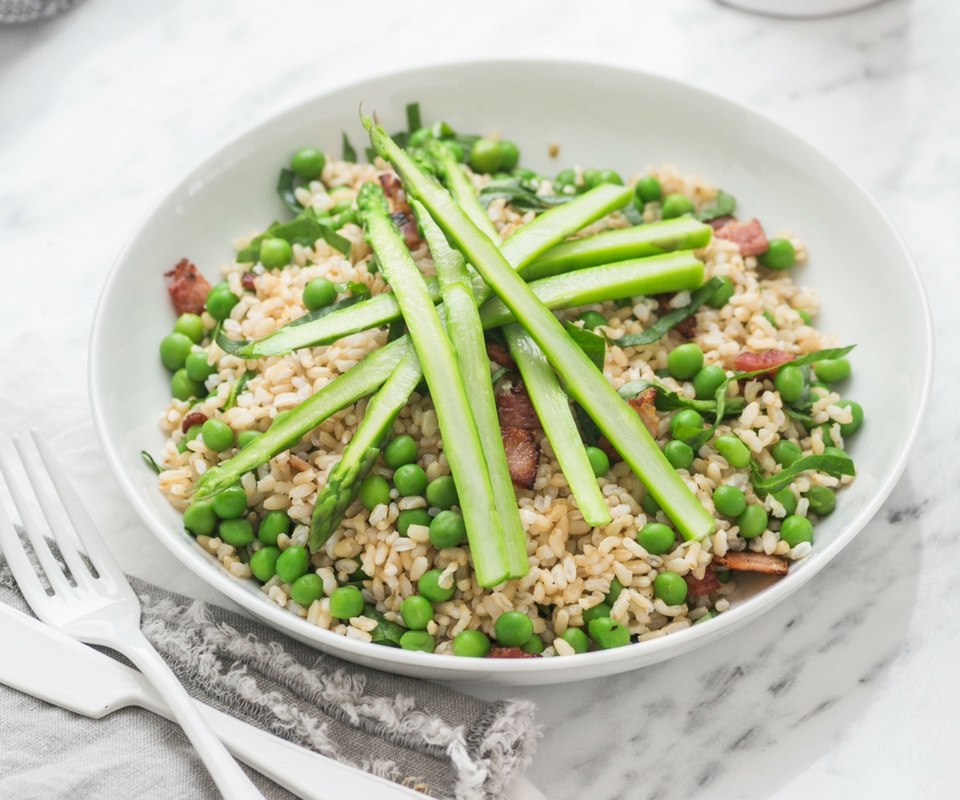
871, 293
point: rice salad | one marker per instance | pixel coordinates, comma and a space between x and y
577, 572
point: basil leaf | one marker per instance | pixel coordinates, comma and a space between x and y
238, 386
349, 154
225, 343
466, 141
305, 230
521, 194
386, 633
151, 462
632, 214
588, 428
723, 205
413, 117
371, 154
402, 139
671, 401
322, 312
669, 320
285, 190
498, 374
593, 345
833, 464
802, 418
799, 361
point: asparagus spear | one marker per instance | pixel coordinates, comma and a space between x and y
359, 456
615, 418
438, 360
466, 335
684, 233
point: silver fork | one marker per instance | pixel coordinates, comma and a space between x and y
99, 610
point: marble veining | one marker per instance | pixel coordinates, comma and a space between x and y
844, 690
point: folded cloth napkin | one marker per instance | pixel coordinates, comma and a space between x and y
19, 11
441, 742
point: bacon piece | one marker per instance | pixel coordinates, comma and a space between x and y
699, 586
187, 287
749, 361
193, 418
515, 410
523, 456
748, 235
499, 651
718, 222
400, 211
499, 354
247, 281
643, 405
748, 561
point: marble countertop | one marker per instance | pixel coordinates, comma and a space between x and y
101, 108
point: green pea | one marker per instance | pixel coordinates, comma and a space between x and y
263, 563
485, 156
722, 294
592, 320
416, 612
442, 492
856, 410
470, 643
822, 500
400, 450
174, 349
447, 530
670, 587
832, 370
789, 382
197, 367
795, 529
220, 302
305, 589
615, 588
410, 479
785, 452
685, 361
648, 189
787, 499
576, 638
591, 178
675, 205
729, 500
687, 418
217, 435
509, 155
246, 437
780, 254
191, 326
272, 525
733, 450
294, 562
183, 387
656, 538
533, 645
649, 505
609, 633
192, 433
429, 586
319, 293
418, 640
513, 628
679, 454
708, 380
565, 177
345, 601
752, 521
595, 612
308, 163
199, 518
230, 503
275, 253
236, 532
374, 491
412, 516
599, 461
609, 176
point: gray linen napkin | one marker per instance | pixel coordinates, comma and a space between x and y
14, 12
422, 735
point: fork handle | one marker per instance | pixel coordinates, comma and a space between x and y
230, 779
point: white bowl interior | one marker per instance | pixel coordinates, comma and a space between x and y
599, 116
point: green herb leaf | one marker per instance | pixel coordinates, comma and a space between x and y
402, 138
833, 464
671, 401
588, 428
322, 312
413, 117
802, 418
238, 386
386, 633
466, 141
305, 230
593, 345
723, 205
521, 194
498, 374
151, 462
371, 154
632, 214
799, 361
672, 318
285, 190
349, 154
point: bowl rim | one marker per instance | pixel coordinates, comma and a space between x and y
653, 650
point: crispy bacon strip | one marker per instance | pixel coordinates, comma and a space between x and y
515, 410
749, 361
748, 235
748, 561
499, 354
698, 586
247, 281
400, 211
187, 287
498, 651
643, 405
523, 456
718, 222
193, 418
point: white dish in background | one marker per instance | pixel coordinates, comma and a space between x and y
869, 288
800, 8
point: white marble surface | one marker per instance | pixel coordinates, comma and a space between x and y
846, 690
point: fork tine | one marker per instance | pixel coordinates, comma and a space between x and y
23, 571
93, 543
58, 581
61, 535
